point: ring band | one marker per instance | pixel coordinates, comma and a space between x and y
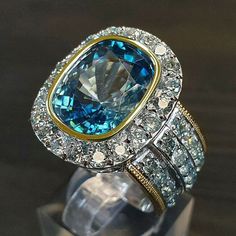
168, 166
112, 105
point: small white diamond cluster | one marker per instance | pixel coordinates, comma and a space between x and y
188, 136
159, 173
178, 156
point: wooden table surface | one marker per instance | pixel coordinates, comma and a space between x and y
35, 34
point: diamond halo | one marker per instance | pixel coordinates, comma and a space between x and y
108, 154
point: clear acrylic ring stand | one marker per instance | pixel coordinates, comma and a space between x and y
110, 204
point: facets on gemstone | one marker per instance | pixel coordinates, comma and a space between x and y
130, 32
179, 157
150, 122
184, 170
171, 64
102, 87
138, 136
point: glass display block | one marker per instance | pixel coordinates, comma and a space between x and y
110, 204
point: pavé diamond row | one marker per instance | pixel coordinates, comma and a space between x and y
172, 159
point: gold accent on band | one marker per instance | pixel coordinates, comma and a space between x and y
155, 195
193, 123
131, 116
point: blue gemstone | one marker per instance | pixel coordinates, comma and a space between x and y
102, 87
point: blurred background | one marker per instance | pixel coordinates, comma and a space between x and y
35, 34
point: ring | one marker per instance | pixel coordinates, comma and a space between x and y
112, 105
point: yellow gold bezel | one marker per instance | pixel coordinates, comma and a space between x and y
130, 117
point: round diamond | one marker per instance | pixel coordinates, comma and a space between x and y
163, 103
160, 49
98, 157
120, 150
151, 122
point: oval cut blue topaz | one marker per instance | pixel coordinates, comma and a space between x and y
102, 87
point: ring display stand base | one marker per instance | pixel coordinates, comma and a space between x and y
105, 205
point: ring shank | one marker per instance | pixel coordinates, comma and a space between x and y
168, 164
